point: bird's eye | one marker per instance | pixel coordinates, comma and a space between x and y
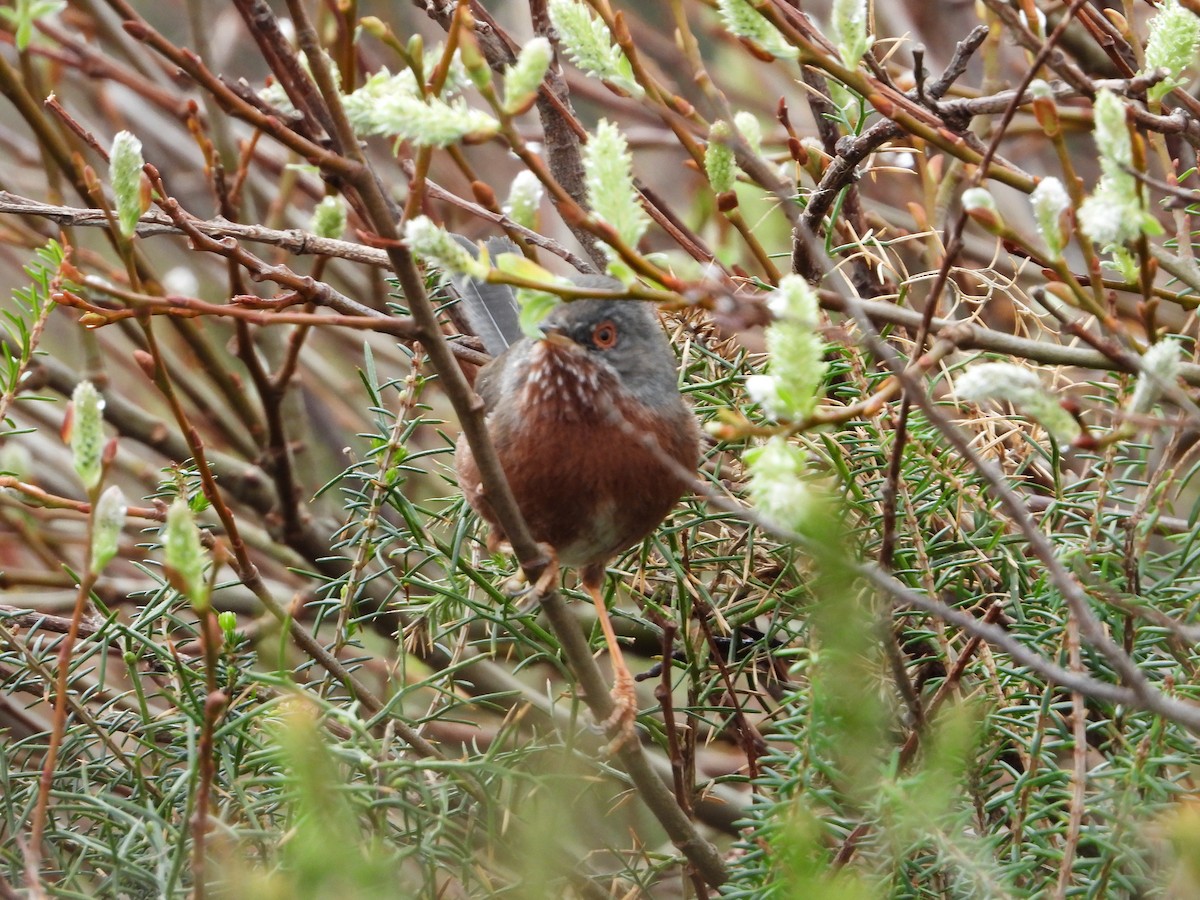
604, 335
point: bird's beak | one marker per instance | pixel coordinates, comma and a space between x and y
554, 334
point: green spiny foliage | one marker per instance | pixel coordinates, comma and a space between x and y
22, 323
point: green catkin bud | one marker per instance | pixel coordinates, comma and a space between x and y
1051, 210
744, 21
793, 388
748, 126
125, 174
1160, 366
436, 245
1172, 45
778, 487
1044, 108
524, 199
434, 123
329, 217
1114, 214
848, 29
477, 67
394, 106
524, 77
795, 300
1111, 133
87, 434
184, 555
1006, 382
719, 164
608, 174
363, 105
589, 44
108, 518
980, 205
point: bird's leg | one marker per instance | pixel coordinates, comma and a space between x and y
518, 584
548, 580
528, 595
624, 695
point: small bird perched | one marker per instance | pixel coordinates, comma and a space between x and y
589, 427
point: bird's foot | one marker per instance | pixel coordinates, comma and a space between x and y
528, 596
516, 586
548, 580
622, 722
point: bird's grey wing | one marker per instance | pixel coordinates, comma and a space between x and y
490, 309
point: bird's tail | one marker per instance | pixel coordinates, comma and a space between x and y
490, 310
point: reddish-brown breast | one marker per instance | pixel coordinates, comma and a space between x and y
593, 469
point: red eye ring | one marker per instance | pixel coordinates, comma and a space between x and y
604, 335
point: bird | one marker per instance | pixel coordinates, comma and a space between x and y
591, 430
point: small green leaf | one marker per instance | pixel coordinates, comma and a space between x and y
518, 266
535, 306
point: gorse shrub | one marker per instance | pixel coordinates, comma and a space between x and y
925, 626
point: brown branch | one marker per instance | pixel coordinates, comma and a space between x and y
294, 240
976, 337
